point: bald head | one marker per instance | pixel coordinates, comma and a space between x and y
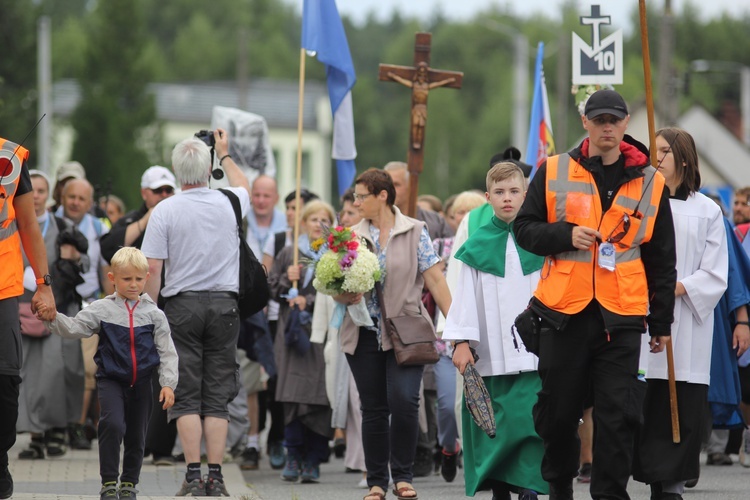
399, 173
264, 195
77, 196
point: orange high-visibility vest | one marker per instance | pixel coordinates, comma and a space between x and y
570, 280
12, 158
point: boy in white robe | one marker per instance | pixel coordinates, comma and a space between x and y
495, 286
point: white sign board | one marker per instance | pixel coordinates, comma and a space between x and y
600, 62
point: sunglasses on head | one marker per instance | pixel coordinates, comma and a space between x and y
163, 190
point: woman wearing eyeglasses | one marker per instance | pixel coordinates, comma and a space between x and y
389, 392
702, 264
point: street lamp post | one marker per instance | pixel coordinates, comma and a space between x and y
521, 109
704, 66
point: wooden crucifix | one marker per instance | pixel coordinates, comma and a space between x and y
421, 79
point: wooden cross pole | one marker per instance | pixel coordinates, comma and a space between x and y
421, 79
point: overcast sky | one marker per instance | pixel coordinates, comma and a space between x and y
463, 9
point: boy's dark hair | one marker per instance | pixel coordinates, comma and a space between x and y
304, 195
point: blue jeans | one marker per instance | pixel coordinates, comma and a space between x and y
389, 394
445, 379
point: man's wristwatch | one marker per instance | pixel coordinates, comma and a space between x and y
45, 280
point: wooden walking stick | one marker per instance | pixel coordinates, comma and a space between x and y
674, 411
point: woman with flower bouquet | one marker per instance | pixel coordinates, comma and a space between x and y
301, 367
389, 393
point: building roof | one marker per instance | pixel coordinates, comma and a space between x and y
192, 102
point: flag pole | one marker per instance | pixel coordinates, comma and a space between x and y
298, 183
674, 410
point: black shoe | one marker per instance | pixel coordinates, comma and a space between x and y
691, 483
718, 459
527, 495
584, 474
448, 466
422, 463
500, 491
78, 439
561, 490
339, 447
6, 483
250, 459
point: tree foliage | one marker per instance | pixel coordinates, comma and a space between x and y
115, 107
18, 98
115, 48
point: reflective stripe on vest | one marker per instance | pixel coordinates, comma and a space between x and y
570, 280
12, 158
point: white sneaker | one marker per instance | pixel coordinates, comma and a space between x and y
745, 449
362, 483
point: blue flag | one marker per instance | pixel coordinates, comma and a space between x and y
323, 33
541, 144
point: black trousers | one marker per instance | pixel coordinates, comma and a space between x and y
124, 419
161, 434
569, 360
9, 389
10, 369
389, 396
267, 403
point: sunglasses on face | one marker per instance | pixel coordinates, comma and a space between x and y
163, 190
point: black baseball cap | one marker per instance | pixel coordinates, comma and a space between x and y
606, 102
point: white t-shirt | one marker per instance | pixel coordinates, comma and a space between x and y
195, 233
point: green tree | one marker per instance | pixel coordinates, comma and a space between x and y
18, 95
115, 107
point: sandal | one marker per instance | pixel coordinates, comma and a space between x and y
56, 446
399, 492
378, 495
35, 451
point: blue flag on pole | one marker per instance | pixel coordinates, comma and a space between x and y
323, 33
541, 144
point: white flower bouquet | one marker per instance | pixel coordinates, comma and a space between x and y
347, 266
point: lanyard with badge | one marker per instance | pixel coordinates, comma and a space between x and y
607, 248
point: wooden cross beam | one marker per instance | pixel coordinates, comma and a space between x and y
421, 79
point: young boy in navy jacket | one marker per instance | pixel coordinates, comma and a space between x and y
134, 339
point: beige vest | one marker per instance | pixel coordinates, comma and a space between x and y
403, 281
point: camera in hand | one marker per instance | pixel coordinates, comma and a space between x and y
206, 136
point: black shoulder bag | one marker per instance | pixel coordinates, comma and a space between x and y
254, 292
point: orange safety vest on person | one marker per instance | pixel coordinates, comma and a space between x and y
570, 280
12, 158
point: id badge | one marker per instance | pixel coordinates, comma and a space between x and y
607, 256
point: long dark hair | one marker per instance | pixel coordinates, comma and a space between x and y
685, 157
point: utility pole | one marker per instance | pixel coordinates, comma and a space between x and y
242, 69
44, 81
666, 88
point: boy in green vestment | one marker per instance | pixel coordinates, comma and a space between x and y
495, 286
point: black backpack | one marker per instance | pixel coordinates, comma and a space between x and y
254, 292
